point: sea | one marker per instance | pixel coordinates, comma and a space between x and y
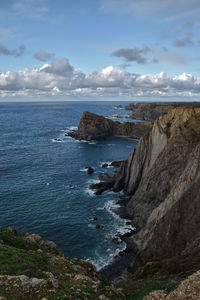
44, 183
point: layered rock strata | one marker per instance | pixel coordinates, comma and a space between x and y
162, 175
93, 126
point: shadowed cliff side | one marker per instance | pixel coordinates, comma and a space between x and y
163, 175
93, 126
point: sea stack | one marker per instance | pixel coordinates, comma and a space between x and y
92, 127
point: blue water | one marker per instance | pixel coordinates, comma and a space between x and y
36, 174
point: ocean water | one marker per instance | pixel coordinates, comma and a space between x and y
43, 183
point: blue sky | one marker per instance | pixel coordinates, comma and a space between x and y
99, 49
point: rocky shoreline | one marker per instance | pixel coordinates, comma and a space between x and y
161, 179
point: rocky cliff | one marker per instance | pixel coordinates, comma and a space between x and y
93, 126
150, 111
162, 175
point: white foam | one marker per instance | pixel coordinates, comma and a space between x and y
103, 261
91, 226
105, 162
92, 143
90, 192
55, 141
83, 170
120, 226
71, 128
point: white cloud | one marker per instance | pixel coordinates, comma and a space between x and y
60, 79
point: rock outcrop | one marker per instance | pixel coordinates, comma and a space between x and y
188, 289
31, 268
162, 175
93, 127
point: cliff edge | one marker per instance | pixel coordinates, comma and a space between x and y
162, 175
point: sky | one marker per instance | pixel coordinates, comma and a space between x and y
100, 50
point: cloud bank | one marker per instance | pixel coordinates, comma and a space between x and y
61, 79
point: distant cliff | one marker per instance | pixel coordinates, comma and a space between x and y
162, 175
152, 111
93, 126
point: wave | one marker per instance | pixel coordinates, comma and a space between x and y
56, 140
105, 162
101, 262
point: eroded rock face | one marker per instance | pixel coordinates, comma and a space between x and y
163, 175
93, 127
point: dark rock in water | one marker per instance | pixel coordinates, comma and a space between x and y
93, 127
90, 170
95, 219
70, 186
117, 240
104, 165
58, 140
98, 226
105, 177
116, 164
105, 184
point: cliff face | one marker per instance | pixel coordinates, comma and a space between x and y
163, 177
93, 126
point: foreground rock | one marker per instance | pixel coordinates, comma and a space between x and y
188, 289
93, 126
163, 175
31, 268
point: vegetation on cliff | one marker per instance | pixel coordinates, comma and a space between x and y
31, 268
